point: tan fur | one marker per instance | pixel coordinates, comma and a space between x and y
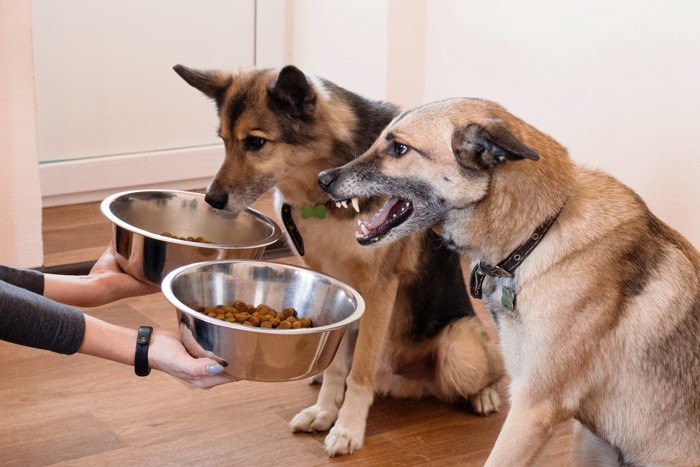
291, 169
606, 327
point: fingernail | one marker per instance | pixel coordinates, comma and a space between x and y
215, 369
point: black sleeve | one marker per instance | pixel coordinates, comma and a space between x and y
30, 319
24, 278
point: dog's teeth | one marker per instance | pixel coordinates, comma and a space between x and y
359, 222
365, 230
355, 204
345, 204
337, 204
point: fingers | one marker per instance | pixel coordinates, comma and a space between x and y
168, 354
209, 382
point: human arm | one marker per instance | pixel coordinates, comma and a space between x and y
105, 283
30, 319
166, 353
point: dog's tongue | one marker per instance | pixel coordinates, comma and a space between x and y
380, 217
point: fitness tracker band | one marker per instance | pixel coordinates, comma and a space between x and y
143, 339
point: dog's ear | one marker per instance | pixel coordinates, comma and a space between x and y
211, 83
484, 146
292, 93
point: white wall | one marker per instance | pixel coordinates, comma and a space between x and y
344, 41
104, 79
111, 113
20, 209
615, 82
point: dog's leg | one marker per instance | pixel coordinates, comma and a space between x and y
320, 416
588, 449
349, 431
527, 428
469, 365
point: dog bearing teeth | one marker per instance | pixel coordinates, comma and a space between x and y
364, 228
355, 204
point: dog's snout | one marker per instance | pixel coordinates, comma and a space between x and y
217, 200
326, 179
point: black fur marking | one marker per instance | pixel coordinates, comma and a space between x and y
639, 263
292, 93
374, 116
437, 296
235, 110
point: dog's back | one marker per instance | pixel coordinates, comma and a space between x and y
646, 277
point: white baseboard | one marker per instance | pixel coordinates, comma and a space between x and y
87, 180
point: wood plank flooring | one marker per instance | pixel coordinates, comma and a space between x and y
82, 411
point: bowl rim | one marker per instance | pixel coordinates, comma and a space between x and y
107, 212
170, 296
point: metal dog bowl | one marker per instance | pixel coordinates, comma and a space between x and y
140, 218
253, 353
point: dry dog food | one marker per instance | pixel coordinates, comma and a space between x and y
261, 316
187, 239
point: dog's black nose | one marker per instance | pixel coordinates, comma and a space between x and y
217, 200
326, 179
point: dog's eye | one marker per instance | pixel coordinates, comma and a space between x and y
254, 143
399, 149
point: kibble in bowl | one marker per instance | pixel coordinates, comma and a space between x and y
261, 316
246, 287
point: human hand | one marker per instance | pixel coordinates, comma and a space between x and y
112, 283
167, 354
105, 283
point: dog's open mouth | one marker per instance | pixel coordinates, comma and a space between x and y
394, 213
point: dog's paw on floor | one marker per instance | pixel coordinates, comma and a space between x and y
485, 401
314, 418
343, 440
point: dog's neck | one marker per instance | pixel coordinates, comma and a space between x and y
519, 199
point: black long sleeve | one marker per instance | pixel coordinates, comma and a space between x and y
28, 318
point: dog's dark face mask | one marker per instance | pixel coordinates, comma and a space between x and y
428, 166
264, 115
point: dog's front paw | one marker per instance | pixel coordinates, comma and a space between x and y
344, 440
485, 401
314, 418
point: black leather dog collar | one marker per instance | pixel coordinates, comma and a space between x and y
507, 267
143, 339
292, 229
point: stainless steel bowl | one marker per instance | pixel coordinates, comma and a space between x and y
140, 218
259, 354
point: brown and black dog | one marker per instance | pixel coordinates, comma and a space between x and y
597, 302
419, 335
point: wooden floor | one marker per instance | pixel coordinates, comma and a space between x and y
79, 410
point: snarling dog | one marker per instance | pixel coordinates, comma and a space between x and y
281, 128
596, 301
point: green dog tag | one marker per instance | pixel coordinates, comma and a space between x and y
508, 298
313, 211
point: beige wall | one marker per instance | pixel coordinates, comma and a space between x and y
20, 209
615, 82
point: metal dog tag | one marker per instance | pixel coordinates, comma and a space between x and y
508, 298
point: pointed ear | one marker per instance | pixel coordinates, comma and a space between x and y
291, 92
211, 83
484, 146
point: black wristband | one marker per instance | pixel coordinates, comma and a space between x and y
141, 357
